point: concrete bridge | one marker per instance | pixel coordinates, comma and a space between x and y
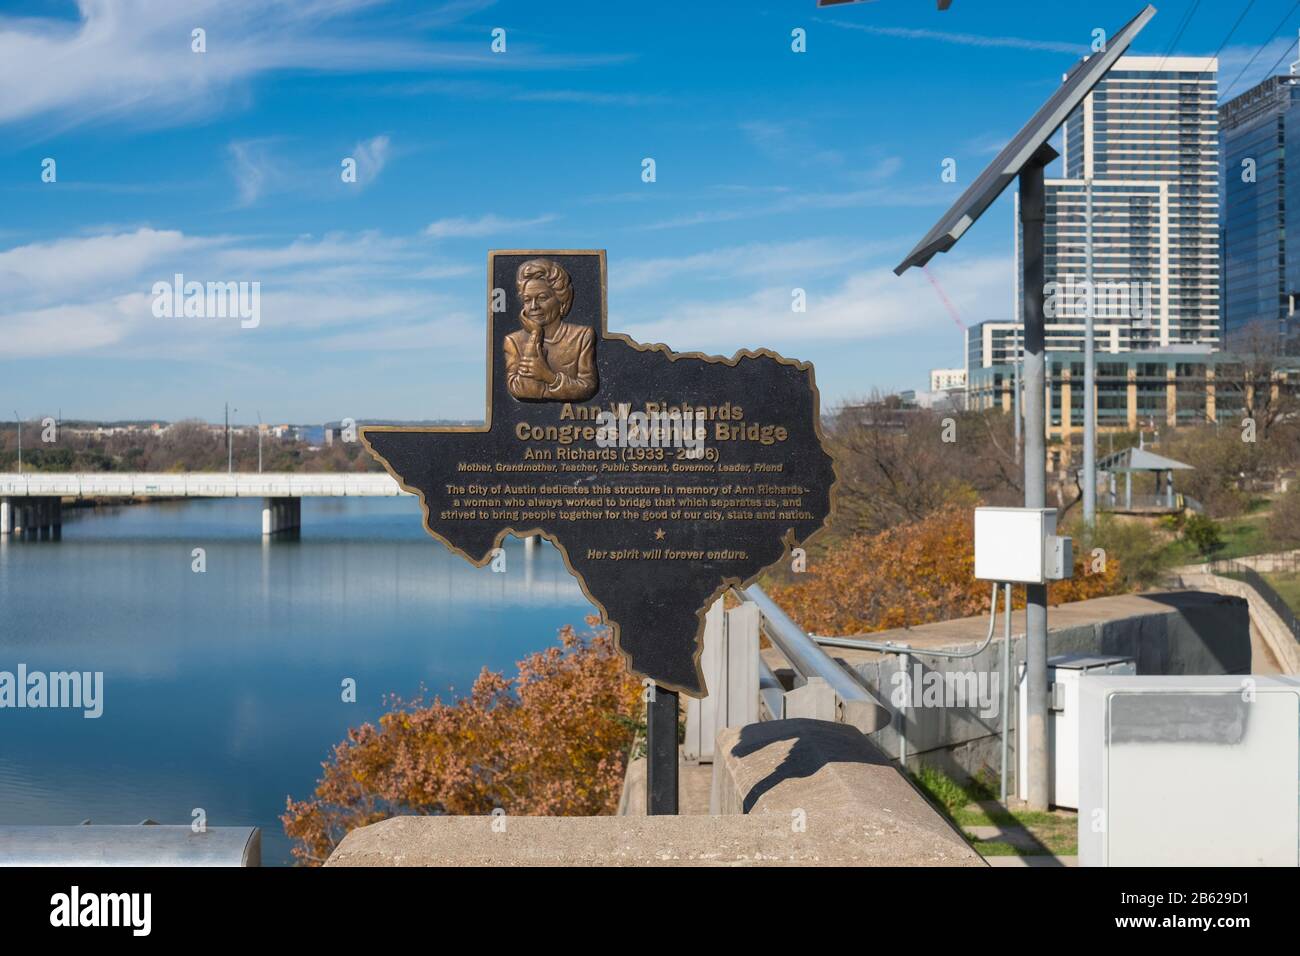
31, 504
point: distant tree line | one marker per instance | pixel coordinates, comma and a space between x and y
185, 446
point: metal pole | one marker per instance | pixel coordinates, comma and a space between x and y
259, 443
1032, 217
661, 751
1089, 383
229, 455
1017, 410
20, 441
904, 662
1015, 348
1006, 689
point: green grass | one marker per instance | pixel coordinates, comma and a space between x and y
1060, 840
1056, 830
1242, 536
1287, 585
948, 793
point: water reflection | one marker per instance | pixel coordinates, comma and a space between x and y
222, 688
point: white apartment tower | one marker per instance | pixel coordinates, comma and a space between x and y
1147, 138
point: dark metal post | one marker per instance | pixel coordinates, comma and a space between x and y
661, 751
1032, 217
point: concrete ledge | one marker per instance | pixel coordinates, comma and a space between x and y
758, 840
790, 769
814, 793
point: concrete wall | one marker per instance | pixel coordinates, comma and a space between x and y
1167, 632
1267, 563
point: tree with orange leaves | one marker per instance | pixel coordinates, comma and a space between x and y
911, 574
553, 740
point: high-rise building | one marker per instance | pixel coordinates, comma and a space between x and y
1147, 139
1261, 222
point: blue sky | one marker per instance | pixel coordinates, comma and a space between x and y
775, 170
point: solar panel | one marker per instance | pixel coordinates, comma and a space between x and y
1079, 82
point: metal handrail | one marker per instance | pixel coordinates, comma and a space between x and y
810, 661
99, 845
771, 693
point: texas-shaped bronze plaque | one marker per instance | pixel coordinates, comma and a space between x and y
663, 478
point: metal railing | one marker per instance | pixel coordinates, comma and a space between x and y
197, 484
854, 703
143, 845
1140, 502
1235, 569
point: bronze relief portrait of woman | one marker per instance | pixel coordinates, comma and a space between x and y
548, 359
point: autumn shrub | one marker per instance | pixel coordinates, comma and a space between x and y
911, 574
551, 741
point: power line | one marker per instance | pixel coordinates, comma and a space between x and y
1256, 54
1278, 61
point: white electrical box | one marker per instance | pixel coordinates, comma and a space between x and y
1064, 673
1020, 546
1189, 771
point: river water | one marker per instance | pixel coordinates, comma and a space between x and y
223, 689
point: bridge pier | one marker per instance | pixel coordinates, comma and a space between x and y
281, 514
39, 517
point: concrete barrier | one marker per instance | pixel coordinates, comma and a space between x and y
814, 793
1166, 632
734, 840
829, 777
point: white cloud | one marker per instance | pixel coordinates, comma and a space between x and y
479, 90
866, 305
459, 228
777, 143
260, 168
70, 266
95, 292
966, 39
769, 260
371, 156
1244, 66
588, 97
133, 58
457, 330
64, 329
253, 167
881, 196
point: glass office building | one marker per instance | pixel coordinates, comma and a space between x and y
1261, 245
